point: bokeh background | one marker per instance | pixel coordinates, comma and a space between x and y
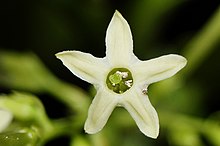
186, 27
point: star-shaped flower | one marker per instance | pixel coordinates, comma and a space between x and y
5, 119
121, 79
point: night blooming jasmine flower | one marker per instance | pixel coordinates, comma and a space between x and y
121, 79
5, 119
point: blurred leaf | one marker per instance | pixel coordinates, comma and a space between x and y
203, 43
23, 71
186, 99
182, 129
79, 141
184, 135
211, 130
149, 17
195, 52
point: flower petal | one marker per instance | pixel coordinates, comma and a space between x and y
157, 69
5, 119
119, 43
84, 65
100, 110
144, 114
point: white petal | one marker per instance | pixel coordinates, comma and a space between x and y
157, 69
84, 65
100, 110
144, 114
5, 119
119, 43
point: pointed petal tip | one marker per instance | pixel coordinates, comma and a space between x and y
182, 60
152, 131
119, 42
143, 113
117, 13
153, 134
178, 59
99, 111
90, 130
59, 54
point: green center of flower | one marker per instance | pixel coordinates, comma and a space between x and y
119, 80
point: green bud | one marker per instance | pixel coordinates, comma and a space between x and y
21, 137
24, 106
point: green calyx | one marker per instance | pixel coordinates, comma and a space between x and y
119, 80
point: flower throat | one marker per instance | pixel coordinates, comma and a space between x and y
119, 80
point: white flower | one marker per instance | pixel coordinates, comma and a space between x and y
121, 79
5, 119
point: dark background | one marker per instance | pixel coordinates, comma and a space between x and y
46, 27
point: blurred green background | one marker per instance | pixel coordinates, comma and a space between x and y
31, 32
